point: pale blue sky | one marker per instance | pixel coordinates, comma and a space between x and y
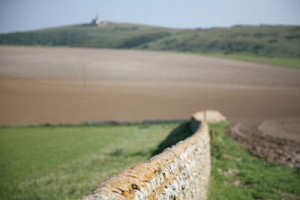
21, 15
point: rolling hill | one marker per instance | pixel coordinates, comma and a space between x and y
267, 41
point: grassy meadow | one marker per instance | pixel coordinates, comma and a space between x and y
235, 174
67, 162
284, 62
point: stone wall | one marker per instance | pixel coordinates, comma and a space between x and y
180, 172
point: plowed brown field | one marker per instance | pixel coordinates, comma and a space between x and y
65, 85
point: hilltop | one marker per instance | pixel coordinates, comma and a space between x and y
107, 35
267, 41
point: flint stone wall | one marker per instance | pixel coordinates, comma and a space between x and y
180, 172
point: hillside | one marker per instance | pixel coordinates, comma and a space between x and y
268, 41
109, 35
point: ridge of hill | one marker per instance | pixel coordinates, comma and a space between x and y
267, 41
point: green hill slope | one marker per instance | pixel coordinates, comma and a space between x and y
109, 35
267, 41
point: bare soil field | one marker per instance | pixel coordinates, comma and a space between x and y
275, 141
40, 85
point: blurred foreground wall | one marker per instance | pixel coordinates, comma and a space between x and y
180, 172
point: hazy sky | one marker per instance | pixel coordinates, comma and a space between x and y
20, 15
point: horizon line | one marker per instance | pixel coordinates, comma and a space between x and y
129, 23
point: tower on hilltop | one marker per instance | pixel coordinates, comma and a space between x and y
96, 21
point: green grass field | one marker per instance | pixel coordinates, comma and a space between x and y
237, 175
68, 162
284, 62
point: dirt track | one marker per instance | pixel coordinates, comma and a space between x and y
63, 85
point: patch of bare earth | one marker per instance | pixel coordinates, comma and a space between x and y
70, 85
276, 141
